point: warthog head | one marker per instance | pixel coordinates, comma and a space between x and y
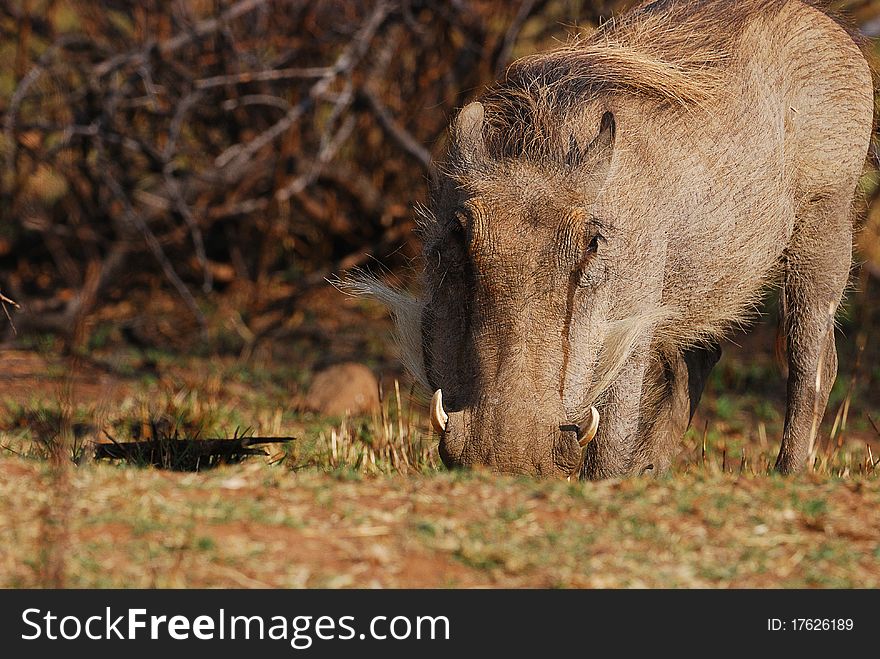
514, 331
514, 251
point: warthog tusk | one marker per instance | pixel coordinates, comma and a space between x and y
439, 418
588, 428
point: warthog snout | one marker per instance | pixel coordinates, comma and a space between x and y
469, 439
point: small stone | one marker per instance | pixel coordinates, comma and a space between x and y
347, 388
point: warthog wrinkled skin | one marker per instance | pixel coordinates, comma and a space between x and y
610, 210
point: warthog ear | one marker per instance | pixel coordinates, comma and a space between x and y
468, 133
598, 153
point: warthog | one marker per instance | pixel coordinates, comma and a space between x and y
611, 209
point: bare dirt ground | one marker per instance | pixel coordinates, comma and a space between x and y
261, 526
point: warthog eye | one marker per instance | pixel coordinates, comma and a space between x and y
585, 275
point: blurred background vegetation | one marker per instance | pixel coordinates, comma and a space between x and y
180, 177
162, 159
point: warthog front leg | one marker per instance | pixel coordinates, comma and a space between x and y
673, 387
641, 437
816, 271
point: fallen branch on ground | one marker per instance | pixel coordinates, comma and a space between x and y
184, 454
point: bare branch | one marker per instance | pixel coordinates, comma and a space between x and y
400, 135
235, 158
263, 76
525, 10
204, 28
3, 302
327, 153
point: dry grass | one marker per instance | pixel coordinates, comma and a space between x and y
365, 501
394, 440
258, 525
